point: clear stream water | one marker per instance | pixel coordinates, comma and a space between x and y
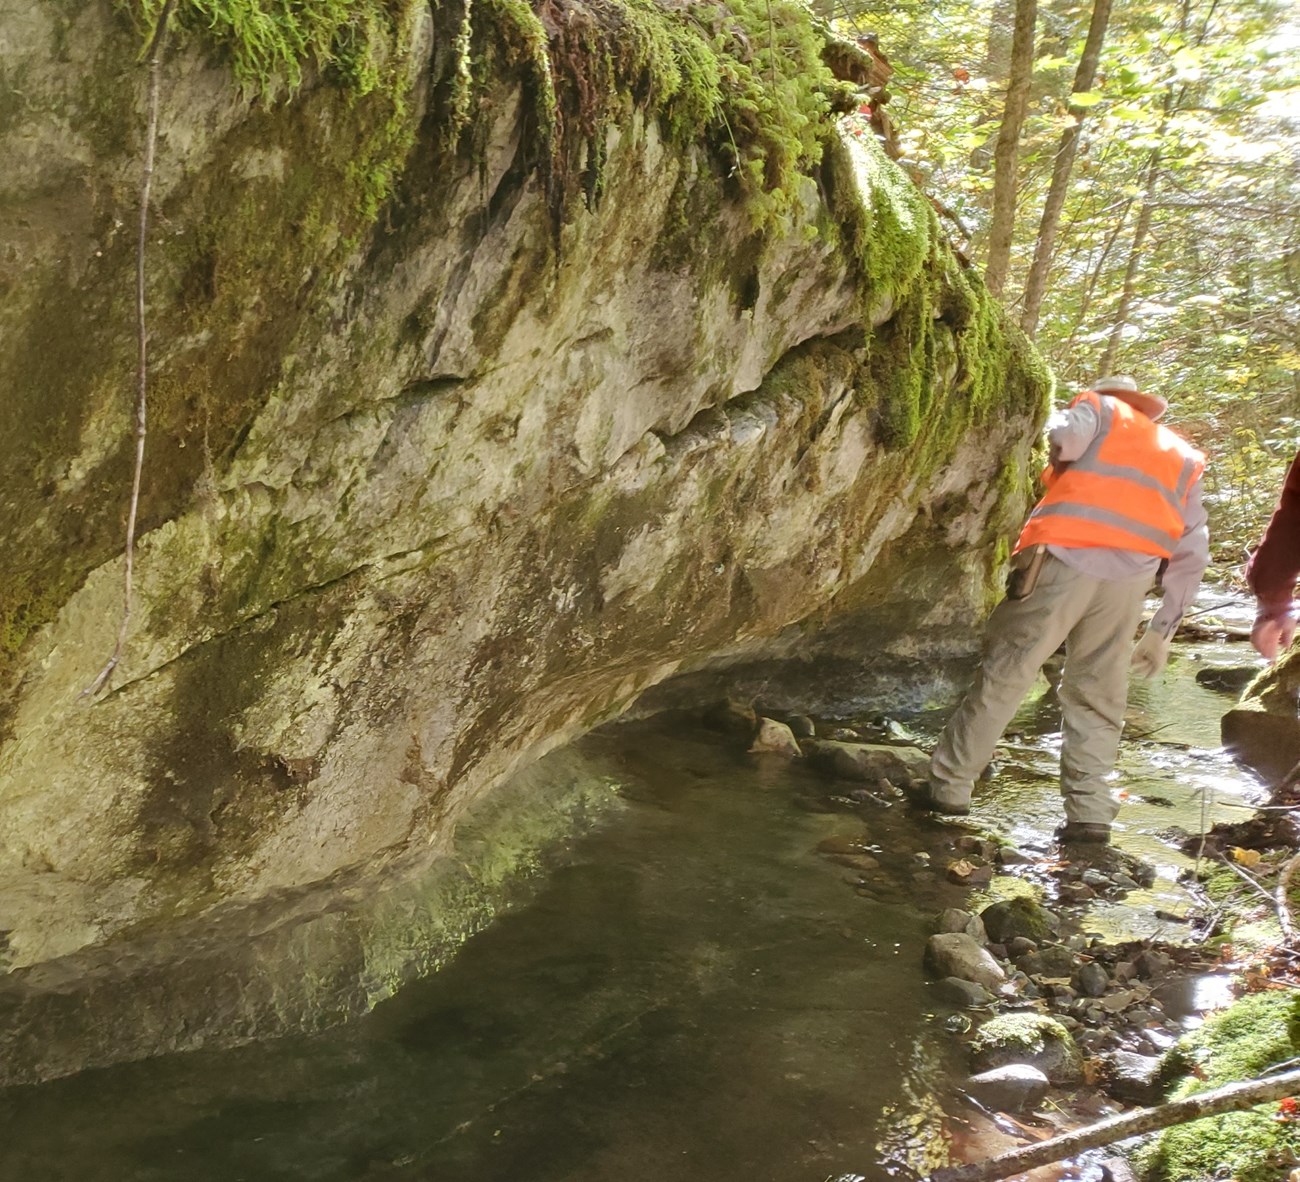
692, 993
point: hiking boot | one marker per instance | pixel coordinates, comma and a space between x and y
1083, 833
922, 797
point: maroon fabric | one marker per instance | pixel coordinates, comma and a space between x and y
1274, 567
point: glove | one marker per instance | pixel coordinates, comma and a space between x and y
1273, 635
1151, 653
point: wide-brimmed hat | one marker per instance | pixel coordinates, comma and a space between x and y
1125, 388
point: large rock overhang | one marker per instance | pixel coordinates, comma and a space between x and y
439, 476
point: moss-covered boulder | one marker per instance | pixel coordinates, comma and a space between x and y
1263, 729
1021, 916
505, 364
1238, 1044
1033, 1039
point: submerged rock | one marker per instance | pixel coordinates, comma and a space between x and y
867, 762
960, 992
774, 738
1228, 679
969, 872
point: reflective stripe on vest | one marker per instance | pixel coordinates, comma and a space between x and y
1124, 492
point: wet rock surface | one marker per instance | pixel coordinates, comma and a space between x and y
871, 763
774, 738
1018, 919
1017, 1087
1028, 1038
955, 954
1133, 1078
1227, 679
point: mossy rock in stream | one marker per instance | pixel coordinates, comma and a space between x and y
1262, 730
1253, 1146
1009, 918
1035, 1039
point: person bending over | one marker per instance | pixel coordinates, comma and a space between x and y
1123, 497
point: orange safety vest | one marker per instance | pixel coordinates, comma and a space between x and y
1127, 491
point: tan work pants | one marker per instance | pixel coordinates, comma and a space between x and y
1096, 618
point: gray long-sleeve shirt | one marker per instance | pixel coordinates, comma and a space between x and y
1069, 432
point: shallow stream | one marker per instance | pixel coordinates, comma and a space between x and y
691, 993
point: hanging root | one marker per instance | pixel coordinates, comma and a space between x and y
154, 57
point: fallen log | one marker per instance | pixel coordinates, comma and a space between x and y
1232, 1098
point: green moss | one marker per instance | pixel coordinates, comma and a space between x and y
1220, 883
1025, 1031
361, 45
937, 326
511, 39
753, 89
244, 279
890, 231
1021, 915
270, 43
696, 201
28, 599
253, 244
1238, 1044
902, 362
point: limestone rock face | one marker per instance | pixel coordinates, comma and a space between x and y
435, 481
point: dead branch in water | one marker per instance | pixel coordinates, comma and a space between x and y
154, 56
1216, 631
1232, 1098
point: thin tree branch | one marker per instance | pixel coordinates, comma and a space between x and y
1232, 1098
1283, 903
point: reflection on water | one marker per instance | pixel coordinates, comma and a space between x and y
695, 995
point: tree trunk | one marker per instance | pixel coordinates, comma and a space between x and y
1005, 154
1107, 364
997, 64
1036, 283
1232, 1098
